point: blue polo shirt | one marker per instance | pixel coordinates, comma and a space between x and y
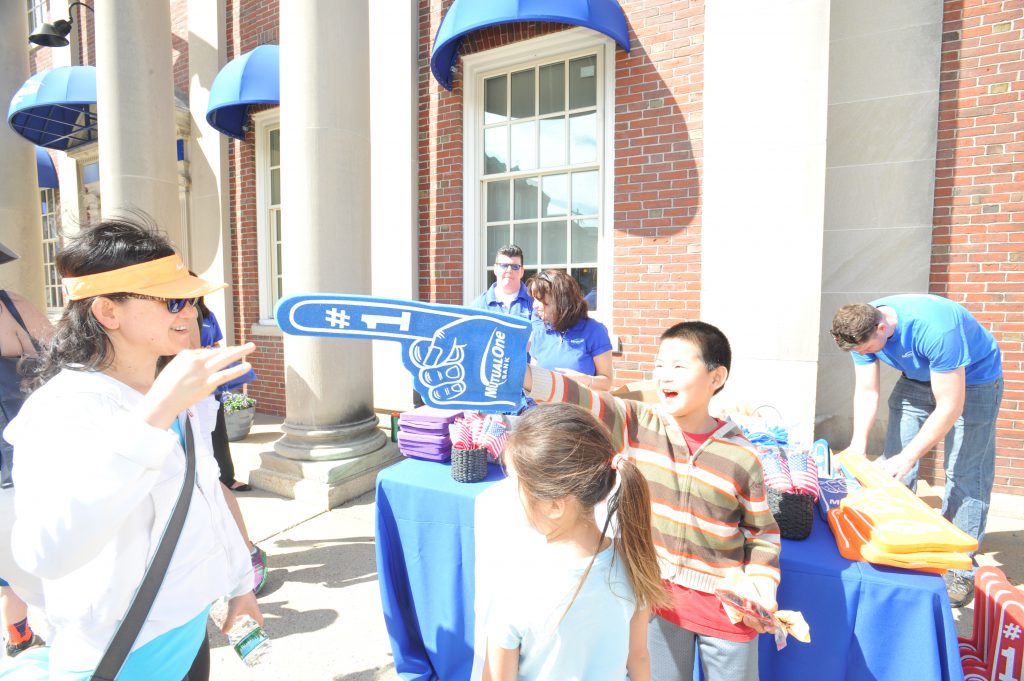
521, 306
936, 334
575, 349
209, 331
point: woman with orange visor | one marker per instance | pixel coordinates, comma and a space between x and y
107, 450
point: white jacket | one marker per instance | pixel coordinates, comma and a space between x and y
94, 487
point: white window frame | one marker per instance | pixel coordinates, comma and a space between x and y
264, 122
49, 196
38, 11
476, 67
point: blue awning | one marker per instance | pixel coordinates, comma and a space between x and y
253, 78
466, 16
56, 108
44, 170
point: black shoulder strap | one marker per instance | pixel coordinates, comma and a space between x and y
9, 304
124, 638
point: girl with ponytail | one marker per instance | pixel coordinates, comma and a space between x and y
583, 611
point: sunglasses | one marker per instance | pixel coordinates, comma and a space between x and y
508, 266
845, 338
174, 305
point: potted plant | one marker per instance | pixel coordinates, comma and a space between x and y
239, 412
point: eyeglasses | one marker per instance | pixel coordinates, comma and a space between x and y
508, 266
174, 305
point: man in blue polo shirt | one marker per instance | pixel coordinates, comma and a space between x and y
507, 295
951, 387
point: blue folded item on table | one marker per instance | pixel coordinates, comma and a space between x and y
833, 491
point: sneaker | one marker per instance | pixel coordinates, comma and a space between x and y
259, 569
14, 649
959, 588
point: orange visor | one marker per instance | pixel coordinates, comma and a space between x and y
163, 278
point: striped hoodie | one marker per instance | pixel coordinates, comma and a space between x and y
709, 511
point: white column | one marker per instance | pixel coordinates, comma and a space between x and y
332, 447
879, 178
393, 174
20, 226
209, 255
765, 113
135, 108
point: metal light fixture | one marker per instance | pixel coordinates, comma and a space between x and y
56, 34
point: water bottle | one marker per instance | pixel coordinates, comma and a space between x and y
248, 639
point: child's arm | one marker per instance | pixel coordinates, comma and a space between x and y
761, 533
638, 664
616, 414
500, 664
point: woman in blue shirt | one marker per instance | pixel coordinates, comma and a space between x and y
564, 337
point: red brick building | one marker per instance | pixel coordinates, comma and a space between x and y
623, 202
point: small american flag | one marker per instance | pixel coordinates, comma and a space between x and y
803, 470
776, 469
493, 437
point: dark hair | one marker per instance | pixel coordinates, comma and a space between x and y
853, 324
558, 290
80, 339
204, 311
510, 251
560, 450
710, 341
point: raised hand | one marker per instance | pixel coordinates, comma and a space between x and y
188, 378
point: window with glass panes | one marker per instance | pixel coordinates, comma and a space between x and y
541, 185
37, 11
274, 216
51, 246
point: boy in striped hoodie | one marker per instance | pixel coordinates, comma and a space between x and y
708, 501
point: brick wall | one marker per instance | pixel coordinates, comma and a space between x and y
249, 24
179, 47
658, 108
978, 239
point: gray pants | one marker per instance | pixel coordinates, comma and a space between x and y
672, 655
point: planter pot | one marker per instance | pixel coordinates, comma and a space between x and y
239, 422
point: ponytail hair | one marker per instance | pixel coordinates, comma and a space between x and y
632, 504
560, 450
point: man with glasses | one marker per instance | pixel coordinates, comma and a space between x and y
507, 295
951, 387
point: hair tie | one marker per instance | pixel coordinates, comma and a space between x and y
617, 460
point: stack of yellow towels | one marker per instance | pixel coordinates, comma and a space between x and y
886, 523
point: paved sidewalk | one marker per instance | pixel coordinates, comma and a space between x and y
321, 602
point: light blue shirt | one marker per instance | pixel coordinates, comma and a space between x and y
936, 334
591, 643
168, 656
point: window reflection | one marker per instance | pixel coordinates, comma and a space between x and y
583, 136
555, 198
495, 150
495, 100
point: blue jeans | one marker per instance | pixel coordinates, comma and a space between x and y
970, 448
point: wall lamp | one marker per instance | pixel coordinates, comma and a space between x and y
56, 34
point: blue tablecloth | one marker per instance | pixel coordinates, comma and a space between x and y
425, 562
867, 623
